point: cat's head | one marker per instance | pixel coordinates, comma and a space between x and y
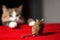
14, 13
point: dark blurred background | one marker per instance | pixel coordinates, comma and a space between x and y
31, 8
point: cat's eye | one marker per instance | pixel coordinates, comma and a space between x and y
17, 15
10, 15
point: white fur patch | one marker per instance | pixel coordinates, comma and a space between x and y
12, 24
14, 14
14, 17
31, 23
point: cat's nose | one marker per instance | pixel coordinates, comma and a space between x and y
15, 19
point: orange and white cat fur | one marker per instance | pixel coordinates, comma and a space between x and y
35, 27
11, 14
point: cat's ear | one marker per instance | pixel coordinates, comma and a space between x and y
4, 8
20, 8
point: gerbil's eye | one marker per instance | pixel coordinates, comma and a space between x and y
10, 15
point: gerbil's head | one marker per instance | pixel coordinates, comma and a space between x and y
14, 13
39, 21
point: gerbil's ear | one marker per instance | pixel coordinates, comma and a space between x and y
42, 20
37, 20
4, 8
20, 8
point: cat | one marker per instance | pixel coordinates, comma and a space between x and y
11, 14
36, 28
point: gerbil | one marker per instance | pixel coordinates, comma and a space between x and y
35, 28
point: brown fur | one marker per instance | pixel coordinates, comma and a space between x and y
35, 28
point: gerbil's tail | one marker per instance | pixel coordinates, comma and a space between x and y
27, 35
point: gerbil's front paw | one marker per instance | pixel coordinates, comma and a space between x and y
34, 35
